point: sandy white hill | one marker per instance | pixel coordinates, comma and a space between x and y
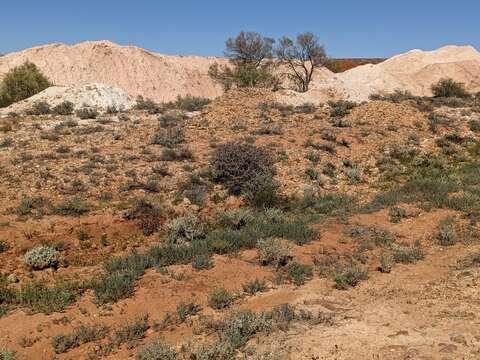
98, 96
137, 71
163, 78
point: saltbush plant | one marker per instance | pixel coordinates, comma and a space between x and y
42, 257
39, 108
236, 164
156, 350
273, 251
87, 113
186, 228
64, 108
220, 298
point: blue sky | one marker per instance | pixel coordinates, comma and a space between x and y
347, 28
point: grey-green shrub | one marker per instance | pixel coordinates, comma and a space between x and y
220, 298
273, 251
349, 276
39, 108
6, 354
185, 228
87, 113
156, 350
41, 257
64, 108
236, 218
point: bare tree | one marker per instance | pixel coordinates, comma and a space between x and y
249, 48
301, 57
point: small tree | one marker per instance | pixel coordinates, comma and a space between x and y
22, 82
301, 57
249, 48
449, 88
250, 56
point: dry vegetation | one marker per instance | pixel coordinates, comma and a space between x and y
197, 230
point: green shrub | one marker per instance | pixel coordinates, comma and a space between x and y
328, 203
41, 257
185, 310
170, 137
109, 288
305, 108
408, 255
299, 273
39, 108
176, 154
273, 251
145, 104
446, 88
349, 276
341, 108
3, 246
269, 223
87, 113
22, 82
6, 142
262, 192
396, 97
220, 298
397, 214
156, 350
186, 228
202, 262
6, 354
240, 326
446, 234
169, 120
235, 165
131, 331
387, 260
219, 350
38, 297
282, 315
134, 263
243, 75
474, 125
235, 219
252, 287
189, 103
72, 207
148, 216
28, 204
64, 108
81, 335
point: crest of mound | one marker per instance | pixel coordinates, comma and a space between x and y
238, 105
136, 70
414, 71
99, 96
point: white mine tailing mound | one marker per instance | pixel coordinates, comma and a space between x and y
137, 71
163, 78
98, 96
414, 71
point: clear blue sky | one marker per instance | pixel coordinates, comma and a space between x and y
347, 28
